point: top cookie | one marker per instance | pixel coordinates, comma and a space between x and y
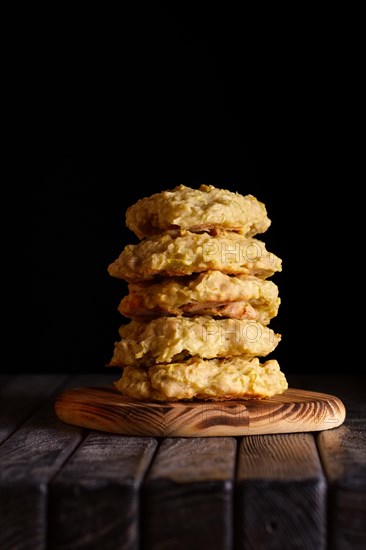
204, 209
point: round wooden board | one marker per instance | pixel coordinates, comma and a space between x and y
105, 409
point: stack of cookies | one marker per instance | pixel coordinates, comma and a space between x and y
199, 299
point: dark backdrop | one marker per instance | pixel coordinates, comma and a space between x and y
134, 103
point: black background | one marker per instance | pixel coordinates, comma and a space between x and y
135, 102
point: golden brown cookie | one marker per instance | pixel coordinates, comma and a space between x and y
204, 209
216, 379
183, 253
167, 339
210, 293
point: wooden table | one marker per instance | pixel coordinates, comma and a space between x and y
64, 487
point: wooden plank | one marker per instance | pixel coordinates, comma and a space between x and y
188, 495
343, 452
281, 494
94, 500
108, 410
21, 396
29, 459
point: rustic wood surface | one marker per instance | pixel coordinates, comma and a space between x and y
274, 471
29, 459
94, 500
343, 455
62, 486
21, 396
108, 410
188, 495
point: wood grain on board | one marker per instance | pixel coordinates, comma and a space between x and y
108, 410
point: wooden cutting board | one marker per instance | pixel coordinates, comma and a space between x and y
105, 409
